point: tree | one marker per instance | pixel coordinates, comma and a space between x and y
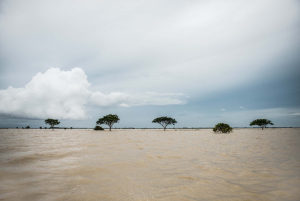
164, 121
261, 123
52, 122
108, 120
222, 128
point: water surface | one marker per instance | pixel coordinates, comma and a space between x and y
144, 165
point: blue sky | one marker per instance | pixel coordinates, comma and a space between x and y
201, 62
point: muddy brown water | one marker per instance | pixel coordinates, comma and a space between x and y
149, 165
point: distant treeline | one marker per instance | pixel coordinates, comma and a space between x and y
165, 121
149, 128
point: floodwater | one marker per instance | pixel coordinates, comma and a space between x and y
149, 165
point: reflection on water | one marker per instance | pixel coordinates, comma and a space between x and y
146, 165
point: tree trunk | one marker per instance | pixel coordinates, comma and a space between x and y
109, 128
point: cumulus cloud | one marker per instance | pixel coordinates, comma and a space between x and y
64, 95
55, 93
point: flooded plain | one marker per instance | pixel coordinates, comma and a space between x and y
149, 165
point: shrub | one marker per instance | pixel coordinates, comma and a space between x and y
27, 127
222, 128
98, 128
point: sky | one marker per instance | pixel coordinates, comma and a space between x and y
200, 62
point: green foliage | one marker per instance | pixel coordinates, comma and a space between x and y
108, 120
222, 128
98, 128
27, 127
261, 123
164, 121
52, 122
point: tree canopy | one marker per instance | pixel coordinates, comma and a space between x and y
222, 128
261, 123
52, 122
164, 121
108, 120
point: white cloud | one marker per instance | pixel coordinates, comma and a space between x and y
196, 46
64, 95
135, 51
55, 93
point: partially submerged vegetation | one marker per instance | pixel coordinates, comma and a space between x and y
222, 128
98, 128
108, 120
52, 122
261, 123
164, 121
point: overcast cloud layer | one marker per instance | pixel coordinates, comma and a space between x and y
139, 53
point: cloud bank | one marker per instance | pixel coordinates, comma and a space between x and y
198, 47
133, 52
65, 94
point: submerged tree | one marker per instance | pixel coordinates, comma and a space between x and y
52, 122
222, 128
164, 121
261, 123
108, 120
